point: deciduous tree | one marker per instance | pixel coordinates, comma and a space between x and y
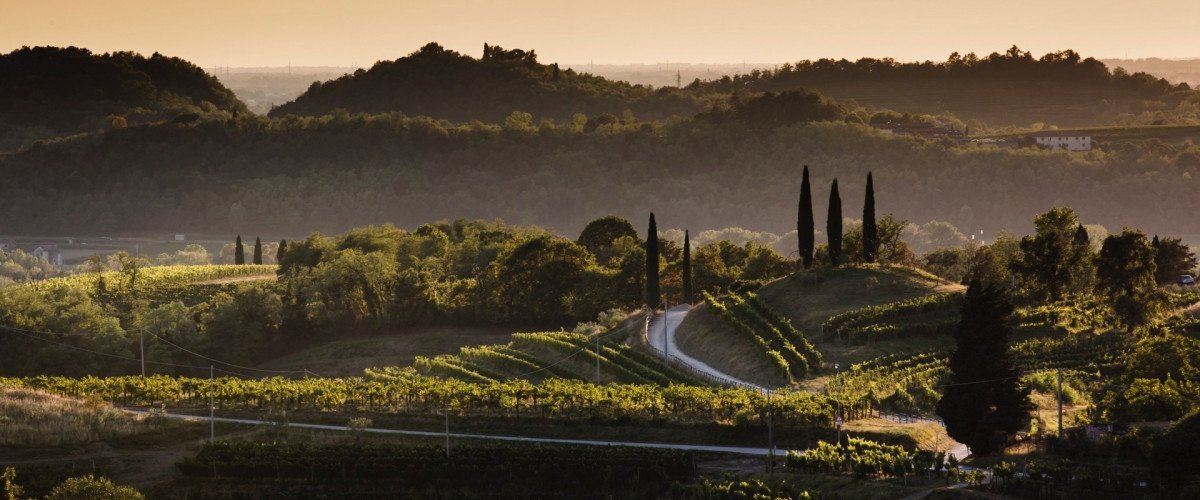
1125, 278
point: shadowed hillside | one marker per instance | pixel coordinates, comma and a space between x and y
445, 84
48, 92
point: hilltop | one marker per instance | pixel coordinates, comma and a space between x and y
51, 91
998, 90
807, 300
441, 83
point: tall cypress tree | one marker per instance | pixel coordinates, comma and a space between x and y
257, 251
804, 222
239, 253
687, 268
653, 296
279, 253
985, 395
870, 237
833, 225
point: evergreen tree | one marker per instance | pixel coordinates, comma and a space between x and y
833, 225
985, 399
1172, 259
804, 222
687, 268
257, 251
1125, 278
239, 253
279, 253
870, 237
653, 296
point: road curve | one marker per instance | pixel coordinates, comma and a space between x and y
458, 435
673, 317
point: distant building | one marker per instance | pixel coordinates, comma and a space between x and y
1071, 141
47, 252
922, 129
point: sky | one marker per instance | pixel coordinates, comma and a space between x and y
242, 33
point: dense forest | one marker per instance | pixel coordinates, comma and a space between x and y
297, 175
1001, 89
49, 92
445, 84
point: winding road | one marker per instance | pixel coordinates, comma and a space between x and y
659, 336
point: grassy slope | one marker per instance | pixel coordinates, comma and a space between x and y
809, 299
349, 357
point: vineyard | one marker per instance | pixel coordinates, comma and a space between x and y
929, 315
860, 457
539, 356
470, 470
157, 285
407, 394
780, 345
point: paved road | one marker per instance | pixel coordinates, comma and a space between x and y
457, 435
673, 318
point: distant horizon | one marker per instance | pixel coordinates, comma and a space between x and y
356, 33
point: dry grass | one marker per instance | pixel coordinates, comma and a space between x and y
30, 418
809, 299
351, 356
705, 336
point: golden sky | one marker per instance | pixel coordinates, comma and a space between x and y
359, 32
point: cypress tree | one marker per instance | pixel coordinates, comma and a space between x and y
257, 251
280, 251
653, 296
833, 225
687, 268
804, 222
870, 236
985, 395
239, 253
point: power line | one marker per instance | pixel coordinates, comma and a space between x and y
107, 354
226, 363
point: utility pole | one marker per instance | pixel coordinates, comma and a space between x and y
1060, 403
212, 407
770, 437
447, 426
838, 418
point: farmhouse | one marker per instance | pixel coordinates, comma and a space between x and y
1071, 141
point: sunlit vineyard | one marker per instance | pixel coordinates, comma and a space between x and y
538, 356
777, 341
408, 394
156, 284
928, 315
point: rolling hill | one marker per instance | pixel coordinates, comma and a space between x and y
997, 90
808, 300
445, 84
50, 91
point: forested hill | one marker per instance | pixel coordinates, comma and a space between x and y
1002, 89
445, 84
297, 175
50, 91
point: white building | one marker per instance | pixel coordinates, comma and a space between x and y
1071, 141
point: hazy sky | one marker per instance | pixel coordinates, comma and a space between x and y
359, 32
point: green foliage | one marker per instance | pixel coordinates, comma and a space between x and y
1172, 259
1174, 452
433, 81
392, 392
52, 91
1060, 87
653, 293
92, 487
985, 396
804, 222
1053, 263
928, 315
733, 488
772, 110
870, 232
601, 233
833, 226
860, 457
1125, 277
